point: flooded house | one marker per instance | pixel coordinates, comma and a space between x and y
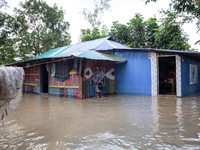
67, 71
154, 71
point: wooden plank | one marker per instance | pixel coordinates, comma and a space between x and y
72, 73
31, 74
30, 84
70, 87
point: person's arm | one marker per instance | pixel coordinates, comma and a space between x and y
103, 75
91, 80
101, 80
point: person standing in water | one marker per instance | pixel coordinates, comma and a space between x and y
98, 80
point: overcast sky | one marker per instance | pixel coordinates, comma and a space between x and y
121, 10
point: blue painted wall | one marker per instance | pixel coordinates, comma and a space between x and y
134, 76
186, 87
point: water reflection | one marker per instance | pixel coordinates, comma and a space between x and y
113, 122
176, 121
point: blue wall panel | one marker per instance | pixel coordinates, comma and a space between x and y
134, 76
106, 89
38, 89
90, 89
70, 93
186, 87
26, 88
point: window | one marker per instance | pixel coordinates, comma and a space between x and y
193, 74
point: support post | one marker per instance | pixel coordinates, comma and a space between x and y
81, 80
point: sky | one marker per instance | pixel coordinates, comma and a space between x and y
121, 10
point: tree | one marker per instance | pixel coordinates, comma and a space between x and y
7, 52
104, 31
88, 34
150, 29
136, 27
188, 10
34, 28
169, 35
8, 27
43, 27
147, 34
95, 18
120, 33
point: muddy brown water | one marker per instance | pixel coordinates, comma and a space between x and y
112, 122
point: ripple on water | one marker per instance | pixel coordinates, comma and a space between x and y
113, 122
104, 140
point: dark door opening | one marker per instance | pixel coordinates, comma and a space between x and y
44, 79
167, 75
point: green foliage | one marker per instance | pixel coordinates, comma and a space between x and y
34, 28
104, 31
136, 27
95, 18
120, 33
8, 26
187, 10
88, 34
44, 27
151, 28
147, 34
169, 35
137, 33
7, 52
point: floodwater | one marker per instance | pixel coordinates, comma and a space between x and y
113, 122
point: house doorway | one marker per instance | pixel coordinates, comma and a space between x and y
44, 79
167, 75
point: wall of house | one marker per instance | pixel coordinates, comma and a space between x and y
68, 88
109, 82
71, 88
186, 87
32, 79
134, 76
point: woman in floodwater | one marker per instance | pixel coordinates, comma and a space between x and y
98, 80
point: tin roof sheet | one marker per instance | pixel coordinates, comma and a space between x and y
100, 44
90, 54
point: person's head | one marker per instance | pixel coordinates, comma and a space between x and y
97, 67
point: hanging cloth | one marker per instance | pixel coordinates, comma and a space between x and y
53, 69
76, 64
83, 66
48, 66
63, 69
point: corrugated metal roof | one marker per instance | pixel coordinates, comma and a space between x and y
47, 54
164, 50
117, 58
100, 44
189, 54
90, 54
